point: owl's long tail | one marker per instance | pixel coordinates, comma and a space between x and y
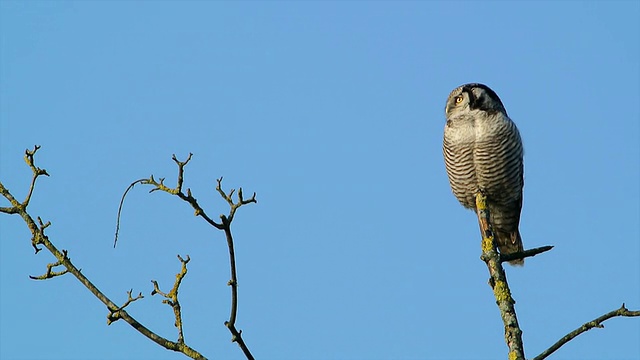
510, 242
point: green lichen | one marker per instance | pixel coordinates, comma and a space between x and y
501, 292
487, 244
513, 355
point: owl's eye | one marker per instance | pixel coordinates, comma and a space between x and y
459, 99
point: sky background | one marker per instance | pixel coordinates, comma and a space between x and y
333, 112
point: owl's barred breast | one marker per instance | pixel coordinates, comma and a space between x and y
484, 153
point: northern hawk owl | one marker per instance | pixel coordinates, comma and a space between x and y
483, 152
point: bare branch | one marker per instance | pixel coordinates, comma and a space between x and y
172, 296
111, 318
140, 181
525, 253
39, 238
236, 335
181, 165
15, 208
37, 172
50, 273
595, 323
233, 205
28, 157
498, 282
225, 225
159, 185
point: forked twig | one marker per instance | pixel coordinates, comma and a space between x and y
50, 273
172, 296
225, 225
111, 317
40, 238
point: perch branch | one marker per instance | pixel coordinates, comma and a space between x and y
40, 238
595, 323
498, 282
172, 296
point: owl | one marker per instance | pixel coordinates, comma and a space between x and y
483, 152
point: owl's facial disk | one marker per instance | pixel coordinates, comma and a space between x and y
457, 101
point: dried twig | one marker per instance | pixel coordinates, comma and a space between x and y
177, 191
225, 225
50, 273
525, 253
111, 317
39, 238
595, 323
172, 296
236, 335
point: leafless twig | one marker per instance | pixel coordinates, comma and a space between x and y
111, 317
50, 273
172, 296
225, 225
40, 238
236, 335
595, 323
525, 253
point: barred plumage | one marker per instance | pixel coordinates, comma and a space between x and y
483, 151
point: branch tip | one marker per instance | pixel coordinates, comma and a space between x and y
595, 323
171, 298
525, 254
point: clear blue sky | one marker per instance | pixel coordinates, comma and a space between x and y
333, 112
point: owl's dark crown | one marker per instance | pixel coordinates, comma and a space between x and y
481, 97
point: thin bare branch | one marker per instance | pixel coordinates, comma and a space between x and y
160, 186
595, 323
140, 181
181, 165
225, 225
172, 296
236, 335
14, 209
36, 172
40, 238
29, 158
498, 282
233, 205
50, 273
525, 253
130, 299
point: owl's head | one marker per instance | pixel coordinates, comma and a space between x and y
473, 96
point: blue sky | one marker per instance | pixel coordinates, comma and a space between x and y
332, 112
